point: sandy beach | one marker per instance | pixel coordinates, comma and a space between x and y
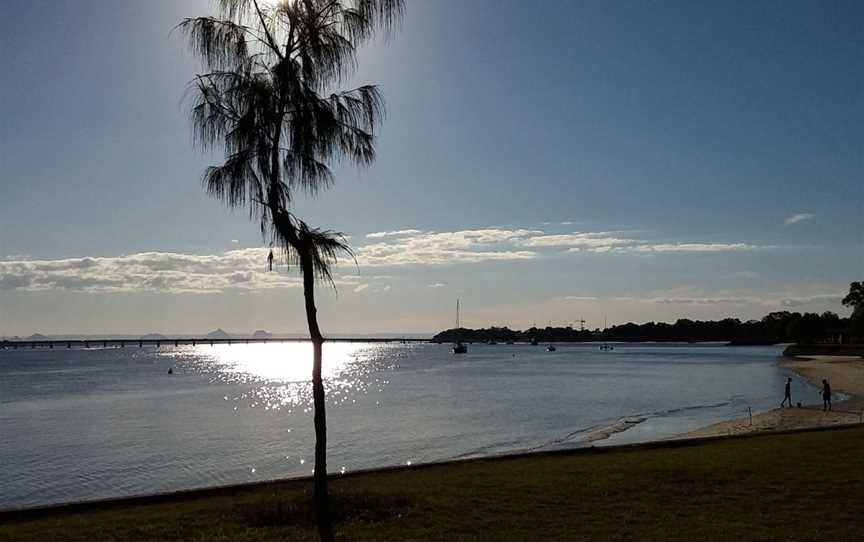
844, 373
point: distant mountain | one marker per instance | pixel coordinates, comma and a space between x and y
218, 334
261, 334
38, 337
153, 337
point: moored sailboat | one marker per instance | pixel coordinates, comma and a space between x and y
459, 347
605, 345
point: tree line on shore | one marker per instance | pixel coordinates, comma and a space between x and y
775, 327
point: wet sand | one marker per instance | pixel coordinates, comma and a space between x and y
845, 374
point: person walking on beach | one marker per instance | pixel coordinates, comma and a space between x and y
826, 395
788, 394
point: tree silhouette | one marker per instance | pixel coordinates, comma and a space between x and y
855, 299
267, 100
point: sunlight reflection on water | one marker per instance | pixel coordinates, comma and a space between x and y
278, 374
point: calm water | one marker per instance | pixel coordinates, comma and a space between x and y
88, 424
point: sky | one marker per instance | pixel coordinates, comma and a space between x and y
541, 162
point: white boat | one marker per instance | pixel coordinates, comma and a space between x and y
458, 347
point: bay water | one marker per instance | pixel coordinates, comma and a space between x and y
86, 424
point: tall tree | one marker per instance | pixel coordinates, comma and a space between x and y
269, 100
855, 299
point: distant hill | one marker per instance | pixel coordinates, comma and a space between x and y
38, 337
261, 334
153, 336
218, 334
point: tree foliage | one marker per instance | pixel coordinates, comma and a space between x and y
779, 326
267, 101
855, 297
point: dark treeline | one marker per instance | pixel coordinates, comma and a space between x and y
776, 327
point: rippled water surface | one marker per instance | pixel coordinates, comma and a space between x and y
97, 423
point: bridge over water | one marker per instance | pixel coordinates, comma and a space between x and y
140, 343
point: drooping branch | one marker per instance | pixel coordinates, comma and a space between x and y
219, 44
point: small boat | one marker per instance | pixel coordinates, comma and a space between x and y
459, 347
605, 345
534, 341
551, 348
509, 342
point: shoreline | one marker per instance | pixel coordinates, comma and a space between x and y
231, 490
708, 489
846, 375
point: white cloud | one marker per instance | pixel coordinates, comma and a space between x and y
589, 241
579, 298
800, 217
825, 299
441, 248
696, 247
416, 247
602, 242
397, 233
372, 289
700, 300
235, 241
437, 285
148, 272
770, 301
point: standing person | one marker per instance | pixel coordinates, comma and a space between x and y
826, 395
788, 394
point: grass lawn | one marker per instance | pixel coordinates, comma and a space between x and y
803, 486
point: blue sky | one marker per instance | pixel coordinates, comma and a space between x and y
645, 160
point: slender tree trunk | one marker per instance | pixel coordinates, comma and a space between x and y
321, 498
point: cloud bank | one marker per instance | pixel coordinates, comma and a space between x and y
247, 268
417, 247
147, 272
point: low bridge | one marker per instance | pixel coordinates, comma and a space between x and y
140, 343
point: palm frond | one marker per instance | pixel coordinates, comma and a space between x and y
219, 43
324, 247
361, 19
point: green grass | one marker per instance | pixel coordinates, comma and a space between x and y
803, 486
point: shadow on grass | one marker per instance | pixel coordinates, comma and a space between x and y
278, 510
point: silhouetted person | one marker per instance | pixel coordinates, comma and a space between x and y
788, 394
826, 395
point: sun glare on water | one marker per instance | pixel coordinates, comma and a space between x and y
279, 362
278, 375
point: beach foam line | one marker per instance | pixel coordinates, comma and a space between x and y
589, 434
619, 427
598, 433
